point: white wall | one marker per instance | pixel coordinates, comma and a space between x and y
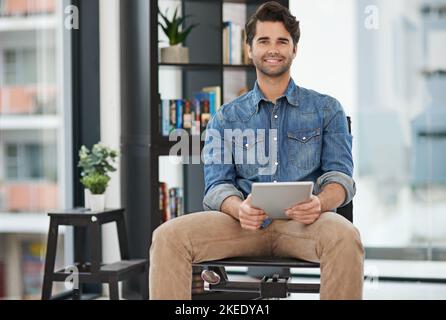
110, 112
327, 52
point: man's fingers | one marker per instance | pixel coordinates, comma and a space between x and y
255, 220
250, 224
304, 206
249, 228
253, 211
299, 213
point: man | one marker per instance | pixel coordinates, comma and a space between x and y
310, 131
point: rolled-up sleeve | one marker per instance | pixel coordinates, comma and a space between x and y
337, 159
340, 178
219, 175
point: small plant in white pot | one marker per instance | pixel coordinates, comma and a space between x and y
100, 160
175, 53
97, 184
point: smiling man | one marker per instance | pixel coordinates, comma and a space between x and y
313, 143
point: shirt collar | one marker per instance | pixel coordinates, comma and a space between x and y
291, 94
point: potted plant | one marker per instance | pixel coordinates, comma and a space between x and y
99, 161
175, 53
97, 184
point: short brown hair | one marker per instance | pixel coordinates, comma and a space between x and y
274, 12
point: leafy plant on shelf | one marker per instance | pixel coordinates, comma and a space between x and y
173, 28
96, 166
97, 183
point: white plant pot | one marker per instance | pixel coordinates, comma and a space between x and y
87, 196
175, 54
97, 202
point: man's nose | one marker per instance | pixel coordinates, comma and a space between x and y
273, 49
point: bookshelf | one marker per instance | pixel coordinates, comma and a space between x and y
206, 68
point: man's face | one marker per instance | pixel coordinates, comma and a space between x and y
272, 49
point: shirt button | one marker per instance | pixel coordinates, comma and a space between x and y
275, 139
275, 181
247, 145
276, 116
304, 138
276, 163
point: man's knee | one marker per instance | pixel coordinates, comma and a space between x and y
338, 231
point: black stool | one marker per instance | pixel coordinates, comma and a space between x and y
94, 271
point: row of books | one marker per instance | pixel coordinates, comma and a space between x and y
235, 49
171, 202
193, 114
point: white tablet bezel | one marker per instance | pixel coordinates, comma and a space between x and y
275, 197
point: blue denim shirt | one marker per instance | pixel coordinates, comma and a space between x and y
313, 144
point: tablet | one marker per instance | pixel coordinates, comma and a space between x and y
275, 197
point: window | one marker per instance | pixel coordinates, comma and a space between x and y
35, 167
31, 162
21, 66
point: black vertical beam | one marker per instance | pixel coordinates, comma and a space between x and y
139, 102
86, 85
86, 105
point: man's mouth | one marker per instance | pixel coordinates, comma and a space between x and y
273, 60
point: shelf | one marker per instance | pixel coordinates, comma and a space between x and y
216, 66
30, 223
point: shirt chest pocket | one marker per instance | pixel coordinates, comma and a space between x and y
248, 156
304, 148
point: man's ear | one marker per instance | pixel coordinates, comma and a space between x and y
250, 51
295, 51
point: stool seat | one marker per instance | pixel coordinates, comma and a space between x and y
121, 268
259, 262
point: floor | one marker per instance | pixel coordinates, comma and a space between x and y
375, 288
378, 290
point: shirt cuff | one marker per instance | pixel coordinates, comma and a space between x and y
216, 195
337, 177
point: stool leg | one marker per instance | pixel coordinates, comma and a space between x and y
77, 293
113, 290
50, 260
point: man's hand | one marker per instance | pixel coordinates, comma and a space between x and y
250, 218
306, 212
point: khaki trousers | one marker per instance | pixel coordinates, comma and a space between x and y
331, 240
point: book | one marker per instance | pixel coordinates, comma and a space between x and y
179, 114
216, 103
236, 44
163, 205
175, 202
205, 115
165, 123
227, 42
173, 115
233, 45
187, 116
